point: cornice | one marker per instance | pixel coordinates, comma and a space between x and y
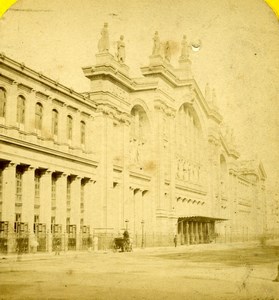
48, 151
41, 78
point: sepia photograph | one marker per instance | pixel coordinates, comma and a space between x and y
139, 150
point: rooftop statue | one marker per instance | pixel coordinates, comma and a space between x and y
156, 46
103, 44
121, 50
167, 51
184, 48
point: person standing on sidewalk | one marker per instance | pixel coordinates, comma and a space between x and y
175, 240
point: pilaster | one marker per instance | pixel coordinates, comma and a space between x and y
45, 196
47, 122
9, 193
30, 112
61, 201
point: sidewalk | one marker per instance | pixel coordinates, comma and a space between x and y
172, 249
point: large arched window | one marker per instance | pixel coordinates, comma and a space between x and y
69, 127
3, 101
20, 109
139, 136
189, 144
54, 127
82, 133
38, 116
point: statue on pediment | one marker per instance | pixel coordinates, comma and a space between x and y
103, 44
156, 45
184, 48
167, 51
121, 54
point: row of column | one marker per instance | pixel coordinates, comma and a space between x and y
138, 210
194, 232
45, 208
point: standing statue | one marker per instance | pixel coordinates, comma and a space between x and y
184, 48
103, 44
167, 51
156, 46
121, 50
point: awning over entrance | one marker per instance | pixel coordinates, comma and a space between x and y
200, 219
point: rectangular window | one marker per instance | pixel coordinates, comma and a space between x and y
38, 116
69, 127
2, 102
18, 186
82, 133
53, 192
18, 217
1, 184
20, 109
37, 188
82, 197
55, 122
68, 192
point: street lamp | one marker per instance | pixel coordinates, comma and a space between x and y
126, 222
142, 233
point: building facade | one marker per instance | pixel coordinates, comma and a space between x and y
149, 154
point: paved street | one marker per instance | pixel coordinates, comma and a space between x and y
186, 272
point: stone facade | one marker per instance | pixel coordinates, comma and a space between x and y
149, 154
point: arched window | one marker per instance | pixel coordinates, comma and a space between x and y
20, 109
54, 128
69, 127
82, 133
38, 116
189, 144
2, 103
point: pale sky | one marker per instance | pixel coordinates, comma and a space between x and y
239, 55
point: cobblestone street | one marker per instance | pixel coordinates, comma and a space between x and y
212, 271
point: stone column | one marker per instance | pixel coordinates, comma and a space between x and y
45, 205
9, 194
75, 207
61, 209
187, 234
130, 210
201, 233
191, 233
28, 200
8, 205
104, 125
28, 197
125, 180
137, 210
92, 212
45, 198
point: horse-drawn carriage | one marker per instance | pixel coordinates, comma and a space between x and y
122, 243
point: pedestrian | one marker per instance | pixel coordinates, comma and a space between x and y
175, 240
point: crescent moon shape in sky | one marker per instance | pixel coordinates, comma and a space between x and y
196, 46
